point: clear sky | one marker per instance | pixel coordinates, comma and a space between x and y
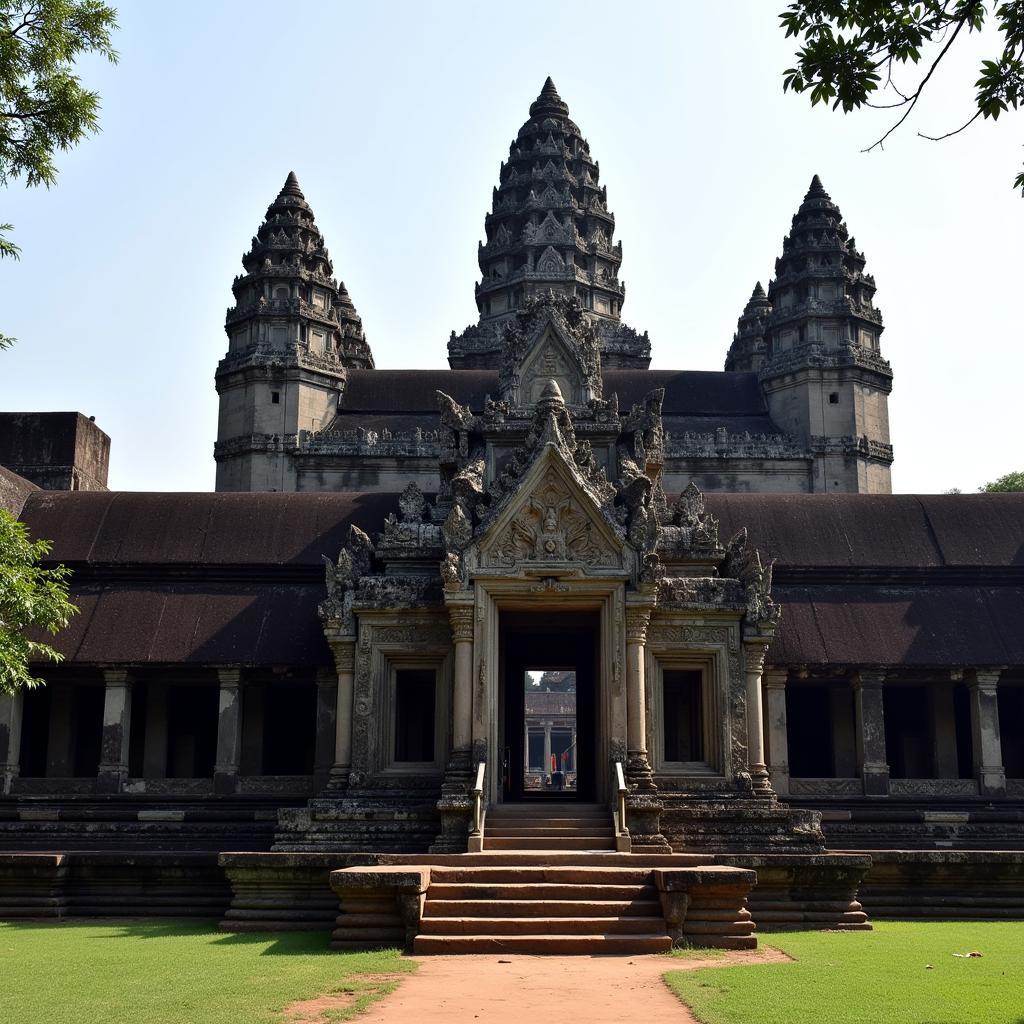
396, 116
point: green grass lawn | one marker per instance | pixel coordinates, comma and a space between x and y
174, 973
870, 978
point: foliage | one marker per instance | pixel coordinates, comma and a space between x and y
43, 106
1009, 482
850, 46
173, 972
902, 971
31, 597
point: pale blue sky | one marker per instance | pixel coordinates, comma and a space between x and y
396, 117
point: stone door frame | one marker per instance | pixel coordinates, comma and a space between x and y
552, 590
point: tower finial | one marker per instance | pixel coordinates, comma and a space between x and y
549, 102
291, 187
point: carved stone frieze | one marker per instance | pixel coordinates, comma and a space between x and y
551, 526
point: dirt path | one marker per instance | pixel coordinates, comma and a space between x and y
527, 989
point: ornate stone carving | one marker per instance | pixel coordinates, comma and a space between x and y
743, 562
342, 577
637, 620
551, 527
461, 619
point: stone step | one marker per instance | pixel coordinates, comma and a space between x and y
582, 875
552, 807
628, 925
542, 909
536, 891
548, 842
542, 944
550, 827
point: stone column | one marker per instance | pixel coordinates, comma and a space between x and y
326, 729
547, 748
10, 739
117, 717
344, 651
943, 724
754, 651
59, 752
870, 715
456, 804
154, 748
778, 731
229, 731
643, 806
986, 743
461, 618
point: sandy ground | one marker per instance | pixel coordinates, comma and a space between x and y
532, 989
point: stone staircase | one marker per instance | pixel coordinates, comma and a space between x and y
541, 909
549, 826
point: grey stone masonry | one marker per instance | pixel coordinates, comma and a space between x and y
987, 743
117, 716
549, 230
871, 758
229, 731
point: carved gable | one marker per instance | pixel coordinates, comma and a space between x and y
550, 359
551, 520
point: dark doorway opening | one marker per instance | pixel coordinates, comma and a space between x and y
549, 699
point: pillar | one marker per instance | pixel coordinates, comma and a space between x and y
229, 731
461, 618
11, 705
154, 747
986, 742
326, 729
117, 716
753, 655
777, 729
870, 716
946, 765
547, 747
59, 752
344, 651
638, 767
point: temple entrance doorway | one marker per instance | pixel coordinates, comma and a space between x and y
549, 687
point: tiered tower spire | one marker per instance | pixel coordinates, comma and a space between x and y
823, 374
293, 335
289, 286
549, 229
746, 353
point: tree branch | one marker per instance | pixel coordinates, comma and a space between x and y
916, 95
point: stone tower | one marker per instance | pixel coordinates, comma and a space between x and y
823, 374
549, 229
292, 335
746, 354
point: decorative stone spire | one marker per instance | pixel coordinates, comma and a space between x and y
823, 374
288, 297
747, 351
549, 229
821, 300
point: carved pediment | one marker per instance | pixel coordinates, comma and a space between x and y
550, 340
551, 520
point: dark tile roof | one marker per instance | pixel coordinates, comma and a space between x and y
149, 587
126, 527
14, 491
891, 530
911, 625
687, 392
226, 624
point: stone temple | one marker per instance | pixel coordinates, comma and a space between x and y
547, 617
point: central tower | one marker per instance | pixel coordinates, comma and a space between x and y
549, 229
